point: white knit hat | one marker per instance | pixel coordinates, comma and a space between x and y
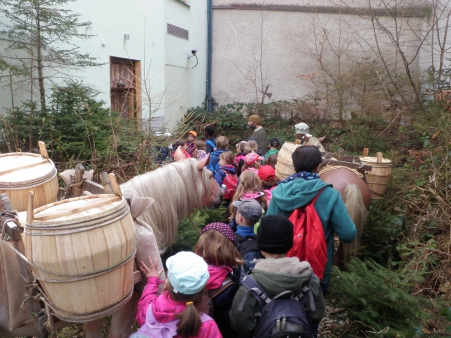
302, 128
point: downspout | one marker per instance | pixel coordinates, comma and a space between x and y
209, 54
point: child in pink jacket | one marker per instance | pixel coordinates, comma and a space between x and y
179, 310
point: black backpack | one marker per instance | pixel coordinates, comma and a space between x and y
285, 315
248, 248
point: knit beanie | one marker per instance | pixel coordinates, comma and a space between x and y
275, 234
255, 118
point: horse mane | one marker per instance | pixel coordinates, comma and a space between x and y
357, 211
313, 141
177, 189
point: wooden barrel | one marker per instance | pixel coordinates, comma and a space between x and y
284, 166
24, 172
378, 178
82, 251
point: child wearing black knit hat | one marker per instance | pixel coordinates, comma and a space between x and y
275, 274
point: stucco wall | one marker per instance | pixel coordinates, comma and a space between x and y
145, 22
254, 48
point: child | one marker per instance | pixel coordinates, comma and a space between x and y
180, 143
251, 162
217, 246
267, 175
248, 212
201, 149
178, 311
275, 274
191, 143
274, 145
250, 146
211, 141
226, 174
222, 143
249, 187
272, 160
240, 151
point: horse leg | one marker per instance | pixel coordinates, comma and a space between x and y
94, 328
338, 258
122, 319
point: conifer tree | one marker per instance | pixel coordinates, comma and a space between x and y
43, 30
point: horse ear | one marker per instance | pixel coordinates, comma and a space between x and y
179, 155
321, 139
203, 162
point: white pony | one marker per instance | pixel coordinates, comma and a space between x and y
177, 189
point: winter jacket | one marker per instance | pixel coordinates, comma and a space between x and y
329, 206
260, 137
275, 276
164, 309
238, 158
223, 301
190, 147
271, 152
268, 194
221, 173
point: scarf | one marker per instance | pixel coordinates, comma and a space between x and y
306, 175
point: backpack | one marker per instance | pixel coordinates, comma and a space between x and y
248, 248
309, 242
285, 315
154, 329
231, 182
213, 166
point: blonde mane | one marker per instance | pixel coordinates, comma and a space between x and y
177, 189
313, 141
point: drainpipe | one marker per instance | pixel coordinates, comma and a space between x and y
209, 54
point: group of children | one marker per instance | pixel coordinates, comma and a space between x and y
204, 295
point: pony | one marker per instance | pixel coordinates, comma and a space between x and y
356, 195
177, 189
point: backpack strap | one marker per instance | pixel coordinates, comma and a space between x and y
257, 291
307, 291
212, 145
316, 197
228, 282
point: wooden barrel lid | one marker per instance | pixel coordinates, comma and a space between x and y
373, 160
79, 212
24, 170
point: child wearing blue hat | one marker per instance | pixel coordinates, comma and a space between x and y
179, 310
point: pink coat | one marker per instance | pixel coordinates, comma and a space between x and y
164, 309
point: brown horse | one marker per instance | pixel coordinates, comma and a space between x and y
356, 195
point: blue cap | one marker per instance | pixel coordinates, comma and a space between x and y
187, 272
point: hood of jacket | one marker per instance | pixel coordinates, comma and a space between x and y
298, 193
229, 168
282, 274
164, 308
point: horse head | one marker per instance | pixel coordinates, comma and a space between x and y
211, 194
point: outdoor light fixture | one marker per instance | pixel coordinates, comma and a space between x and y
126, 36
193, 53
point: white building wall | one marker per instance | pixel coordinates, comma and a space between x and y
169, 84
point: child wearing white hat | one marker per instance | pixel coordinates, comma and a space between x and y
179, 310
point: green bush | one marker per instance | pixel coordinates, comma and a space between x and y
378, 300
